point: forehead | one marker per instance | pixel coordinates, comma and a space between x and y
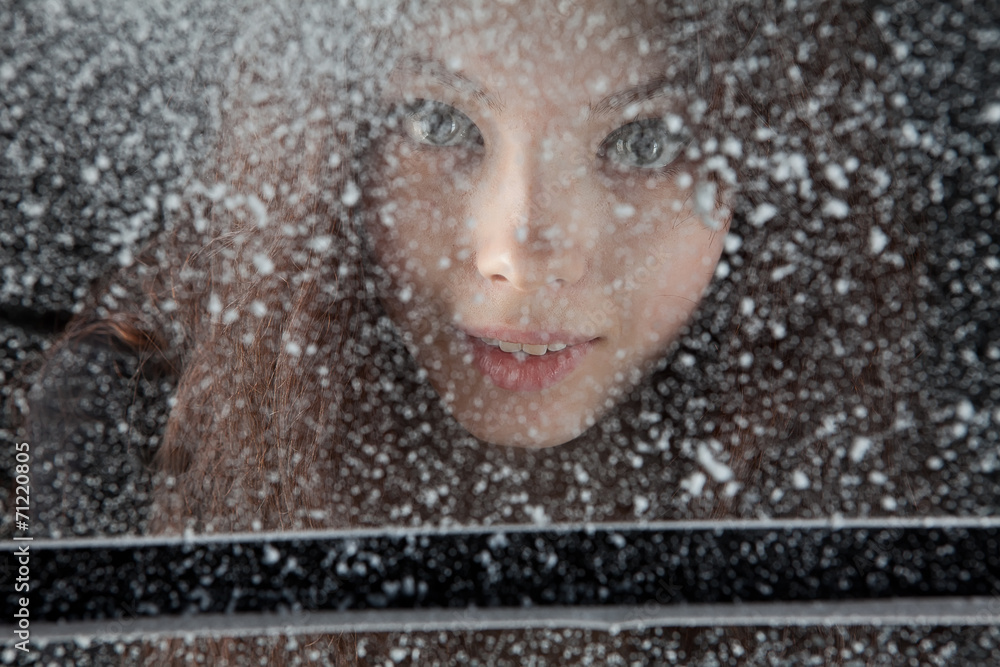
592, 43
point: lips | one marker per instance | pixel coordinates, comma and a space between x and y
527, 361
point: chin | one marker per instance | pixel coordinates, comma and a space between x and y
522, 435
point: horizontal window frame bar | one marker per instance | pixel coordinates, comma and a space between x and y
832, 523
910, 612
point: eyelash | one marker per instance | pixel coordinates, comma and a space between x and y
459, 131
423, 119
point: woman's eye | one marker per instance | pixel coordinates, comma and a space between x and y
645, 144
438, 124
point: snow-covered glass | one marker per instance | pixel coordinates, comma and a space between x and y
285, 266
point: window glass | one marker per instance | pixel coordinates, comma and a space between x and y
742, 253
273, 267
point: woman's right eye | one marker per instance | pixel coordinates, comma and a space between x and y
438, 124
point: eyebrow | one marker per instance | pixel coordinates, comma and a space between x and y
438, 70
606, 106
620, 100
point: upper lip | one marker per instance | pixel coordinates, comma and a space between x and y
533, 337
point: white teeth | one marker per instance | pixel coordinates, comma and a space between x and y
534, 350
510, 347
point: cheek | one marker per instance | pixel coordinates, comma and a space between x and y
673, 272
417, 246
421, 205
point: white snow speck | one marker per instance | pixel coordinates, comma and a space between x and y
965, 411
321, 243
537, 514
705, 204
599, 85
732, 147
258, 308
835, 174
640, 505
877, 240
271, 555
351, 194
911, 136
694, 483
90, 175
293, 349
265, 266
650, 417
719, 471
783, 272
800, 480
790, 166
762, 214
991, 114
32, 209
631, 111
859, 448
259, 209
663, 443
732, 243
836, 208
399, 654
624, 211
405, 294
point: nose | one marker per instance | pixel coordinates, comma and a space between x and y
534, 219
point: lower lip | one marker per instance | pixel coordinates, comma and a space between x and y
526, 372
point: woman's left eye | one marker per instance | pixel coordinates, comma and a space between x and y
439, 124
643, 144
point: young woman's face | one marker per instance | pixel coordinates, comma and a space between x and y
536, 206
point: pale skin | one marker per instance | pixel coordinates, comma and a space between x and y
539, 188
